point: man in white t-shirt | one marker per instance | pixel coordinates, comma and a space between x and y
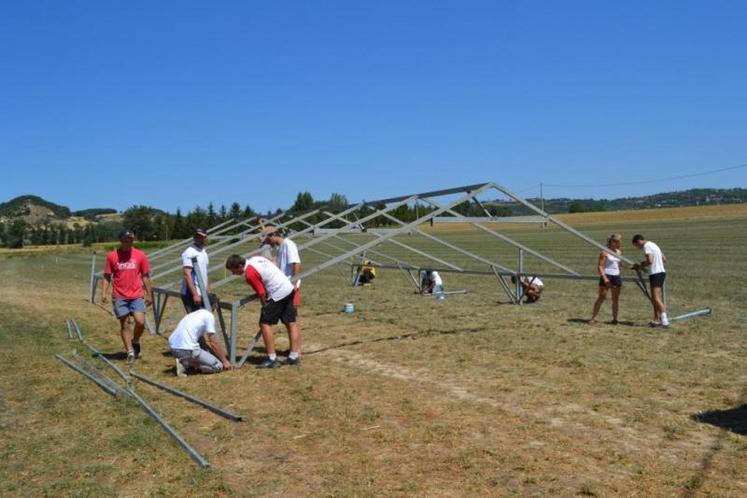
288, 259
655, 260
431, 282
276, 292
185, 343
289, 262
191, 295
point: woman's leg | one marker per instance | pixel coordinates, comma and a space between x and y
598, 303
615, 302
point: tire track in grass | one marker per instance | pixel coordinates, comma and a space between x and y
561, 418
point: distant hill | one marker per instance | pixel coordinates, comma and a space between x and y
692, 197
33, 209
94, 213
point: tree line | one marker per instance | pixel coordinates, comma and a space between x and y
151, 224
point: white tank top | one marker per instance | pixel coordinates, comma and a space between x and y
611, 265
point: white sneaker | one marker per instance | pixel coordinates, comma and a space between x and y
180, 370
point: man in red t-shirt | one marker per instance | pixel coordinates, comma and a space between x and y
127, 272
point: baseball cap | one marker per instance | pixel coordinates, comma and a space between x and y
126, 234
267, 231
201, 232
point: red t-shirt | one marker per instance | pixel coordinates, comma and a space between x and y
127, 269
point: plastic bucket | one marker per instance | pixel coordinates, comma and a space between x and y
348, 308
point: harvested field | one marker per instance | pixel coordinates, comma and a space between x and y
409, 396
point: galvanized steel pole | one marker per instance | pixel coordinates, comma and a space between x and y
188, 397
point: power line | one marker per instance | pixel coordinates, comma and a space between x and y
641, 182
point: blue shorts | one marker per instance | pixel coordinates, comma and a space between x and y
124, 307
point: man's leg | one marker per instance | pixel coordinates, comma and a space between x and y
206, 362
139, 325
659, 307
125, 333
294, 337
268, 337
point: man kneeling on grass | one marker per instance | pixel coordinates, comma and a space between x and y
186, 343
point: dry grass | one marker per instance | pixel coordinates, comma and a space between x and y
407, 396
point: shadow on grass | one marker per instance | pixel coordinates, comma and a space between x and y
586, 321
412, 335
119, 355
733, 419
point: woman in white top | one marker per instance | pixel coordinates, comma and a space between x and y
609, 277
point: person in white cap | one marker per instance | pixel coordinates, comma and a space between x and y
191, 295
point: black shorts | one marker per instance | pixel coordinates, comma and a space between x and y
282, 310
616, 281
657, 279
189, 303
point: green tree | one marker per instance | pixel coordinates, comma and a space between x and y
178, 230
139, 219
304, 202
249, 212
337, 203
88, 235
16, 234
235, 211
212, 218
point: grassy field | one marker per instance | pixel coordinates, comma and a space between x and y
408, 396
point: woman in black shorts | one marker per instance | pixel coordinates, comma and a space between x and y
609, 277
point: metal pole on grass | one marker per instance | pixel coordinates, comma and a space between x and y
184, 444
705, 311
249, 349
103, 358
188, 397
88, 376
77, 329
92, 369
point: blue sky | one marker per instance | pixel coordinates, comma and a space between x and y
110, 104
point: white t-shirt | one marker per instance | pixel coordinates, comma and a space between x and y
611, 265
657, 259
201, 254
436, 279
533, 281
277, 285
193, 326
287, 255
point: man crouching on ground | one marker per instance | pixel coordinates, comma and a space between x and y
276, 293
185, 343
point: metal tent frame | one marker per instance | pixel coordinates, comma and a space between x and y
318, 231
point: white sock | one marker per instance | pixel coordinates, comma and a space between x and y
293, 355
664, 318
272, 356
